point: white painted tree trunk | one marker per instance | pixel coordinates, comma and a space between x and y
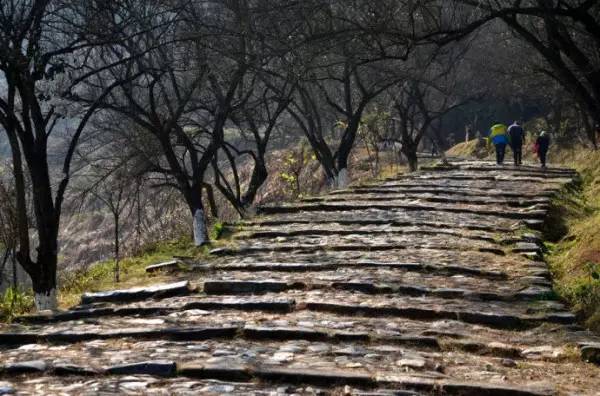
46, 300
200, 235
341, 179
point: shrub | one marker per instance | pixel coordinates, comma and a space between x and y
14, 302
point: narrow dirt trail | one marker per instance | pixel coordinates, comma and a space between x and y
432, 283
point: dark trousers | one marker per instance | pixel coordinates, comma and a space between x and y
517, 150
500, 150
542, 154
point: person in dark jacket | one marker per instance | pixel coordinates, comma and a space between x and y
517, 138
542, 144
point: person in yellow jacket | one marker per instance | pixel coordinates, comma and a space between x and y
499, 137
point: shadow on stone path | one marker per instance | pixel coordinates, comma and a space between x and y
432, 283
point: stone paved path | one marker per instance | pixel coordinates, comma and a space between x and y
432, 283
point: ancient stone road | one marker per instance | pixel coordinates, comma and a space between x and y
432, 283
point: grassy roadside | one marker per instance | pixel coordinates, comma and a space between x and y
572, 229
575, 256
100, 276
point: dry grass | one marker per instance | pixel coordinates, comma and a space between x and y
573, 228
100, 276
575, 259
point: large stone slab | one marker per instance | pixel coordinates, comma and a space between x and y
138, 293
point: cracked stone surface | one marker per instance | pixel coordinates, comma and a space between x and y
429, 283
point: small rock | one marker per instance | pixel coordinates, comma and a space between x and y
318, 348
591, 353
282, 357
217, 389
26, 367
158, 368
32, 347
133, 385
197, 347
291, 348
222, 352
350, 351
415, 363
353, 365
509, 363
6, 388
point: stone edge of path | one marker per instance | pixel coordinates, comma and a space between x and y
274, 374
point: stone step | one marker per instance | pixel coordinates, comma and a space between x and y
522, 169
449, 269
384, 326
333, 231
525, 186
171, 265
368, 222
513, 315
237, 287
280, 345
494, 320
539, 178
414, 189
248, 332
139, 293
513, 203
264, 373
193, 303
380, 247
503, 213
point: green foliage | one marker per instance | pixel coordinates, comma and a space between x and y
217, 230
294, 163
14, 302
289, 179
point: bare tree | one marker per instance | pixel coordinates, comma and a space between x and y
48, 48
256, 120
566, 35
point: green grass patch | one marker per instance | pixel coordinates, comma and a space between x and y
100, 276
14, 302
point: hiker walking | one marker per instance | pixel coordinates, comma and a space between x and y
517, 138
542, 143
499, 138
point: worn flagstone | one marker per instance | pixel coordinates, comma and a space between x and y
429, 283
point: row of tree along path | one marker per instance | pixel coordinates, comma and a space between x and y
431, 283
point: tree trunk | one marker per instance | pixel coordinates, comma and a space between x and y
44, 281
199, 226
410, 152
117, 256
340, 179
259, 175
344, 150
200, 231
43, 270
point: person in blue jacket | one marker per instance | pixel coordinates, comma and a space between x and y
499, 137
